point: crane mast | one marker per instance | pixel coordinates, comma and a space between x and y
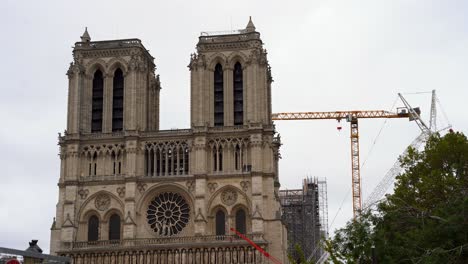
352, 117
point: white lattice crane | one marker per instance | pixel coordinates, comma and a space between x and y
426, 132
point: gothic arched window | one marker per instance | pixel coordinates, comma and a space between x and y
118, 101
220, 223
114, 227
220, 159
97, 102
217, 159
240, 221
93, 164
117, 161
93, 228
237, 158
157, 162
238, 95
218, 96
186, 160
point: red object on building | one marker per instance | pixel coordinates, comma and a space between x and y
266, 254
13, 261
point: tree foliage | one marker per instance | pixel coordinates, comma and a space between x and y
425, 220
299, 256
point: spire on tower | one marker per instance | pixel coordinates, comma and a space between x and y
85, 37
250, 26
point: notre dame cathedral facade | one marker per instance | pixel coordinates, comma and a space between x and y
132, 193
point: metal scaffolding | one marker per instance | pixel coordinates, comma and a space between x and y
305, 213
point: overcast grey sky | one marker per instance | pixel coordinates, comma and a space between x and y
325, 56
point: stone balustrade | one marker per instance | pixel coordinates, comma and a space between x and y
167, 241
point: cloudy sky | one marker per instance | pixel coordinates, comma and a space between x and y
325, 56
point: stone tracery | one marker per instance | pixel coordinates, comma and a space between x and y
104, 159
166, 158
168, 214
234, 149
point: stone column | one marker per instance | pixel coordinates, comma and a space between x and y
107, 103
74, 100
156, 125
257, 104
140, 160
209, 104
193, 98
131, 146
130, 99
197, 160
260, 89
86, 104
228, 96
245, 89
250, 91
144, 95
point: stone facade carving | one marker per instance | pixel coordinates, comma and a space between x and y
212, 186
121, 191
190, 185
244, 185
168, 214
167, 185
102, 202
200, 216
141, 187
229, 197
83, 193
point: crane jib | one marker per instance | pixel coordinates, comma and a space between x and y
352, 117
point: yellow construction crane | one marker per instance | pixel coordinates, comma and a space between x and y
352, 117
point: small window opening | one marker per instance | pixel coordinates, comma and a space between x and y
93, 228
114, 227
220, 223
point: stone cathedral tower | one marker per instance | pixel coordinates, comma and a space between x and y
132, 193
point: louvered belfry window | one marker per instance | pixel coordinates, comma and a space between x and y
97, 102
118, 101
238, 95
218, 96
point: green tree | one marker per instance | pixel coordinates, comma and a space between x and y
299, 256
425, 220
353, 243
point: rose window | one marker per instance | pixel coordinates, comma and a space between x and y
168, 213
